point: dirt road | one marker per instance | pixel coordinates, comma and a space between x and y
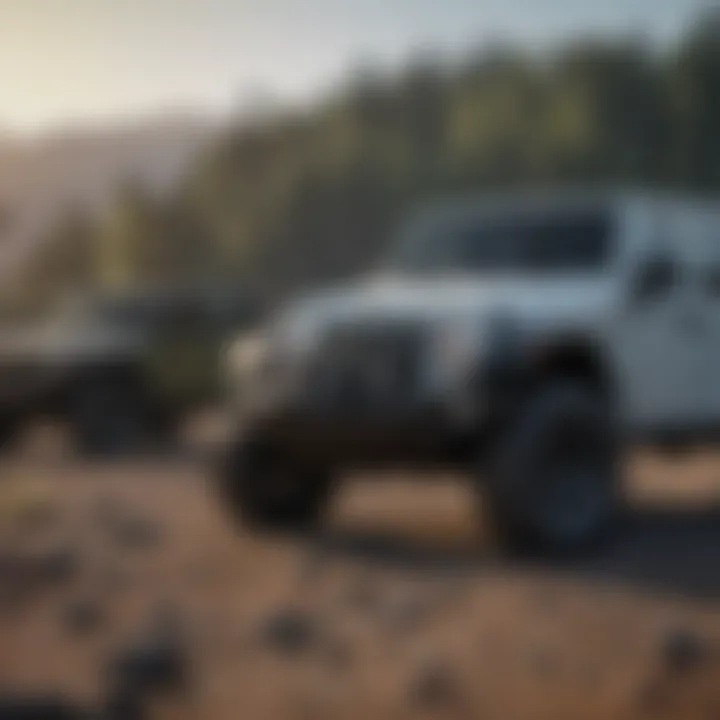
398, 608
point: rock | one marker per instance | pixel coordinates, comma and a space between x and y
153, 664
57, 565
684, 651
157, 661
22, 574
14, 581
84, 616
137, 533
12, 566
290, 632
434, 687
123, 703
39, 707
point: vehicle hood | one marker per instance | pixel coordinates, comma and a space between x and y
63, 341
574, 300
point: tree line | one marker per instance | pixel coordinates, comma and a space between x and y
301, 197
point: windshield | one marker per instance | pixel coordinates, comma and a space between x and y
549, 242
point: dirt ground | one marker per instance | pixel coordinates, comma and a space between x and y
398, 608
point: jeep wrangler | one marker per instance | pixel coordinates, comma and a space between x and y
526, 340
121, 370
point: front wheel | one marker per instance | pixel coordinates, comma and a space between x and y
10, 427
265, 489
554, 483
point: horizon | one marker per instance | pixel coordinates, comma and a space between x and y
101, 63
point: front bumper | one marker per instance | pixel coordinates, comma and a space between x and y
411, 435
366, 397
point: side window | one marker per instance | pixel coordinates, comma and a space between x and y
656, 278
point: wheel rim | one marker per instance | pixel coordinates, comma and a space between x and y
572, 488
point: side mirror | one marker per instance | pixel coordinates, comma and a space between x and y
654, 278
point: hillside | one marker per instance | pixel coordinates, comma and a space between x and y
303, 197
81, 168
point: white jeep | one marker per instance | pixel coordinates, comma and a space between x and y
525, 339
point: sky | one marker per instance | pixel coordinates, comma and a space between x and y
86, 61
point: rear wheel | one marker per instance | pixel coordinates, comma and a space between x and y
554, 483
10, 427
265, 489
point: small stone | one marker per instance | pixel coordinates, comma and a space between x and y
58, 565
290, 632
82, 617
434, 687
12, 567
23, 574
157, 661
137, 533
684, 651
153, 664
124, 703
39, 707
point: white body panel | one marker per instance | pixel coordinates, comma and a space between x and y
664, 353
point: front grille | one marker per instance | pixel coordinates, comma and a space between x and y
368, 366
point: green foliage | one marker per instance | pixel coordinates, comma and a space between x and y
307, 197
64, 264
144, 241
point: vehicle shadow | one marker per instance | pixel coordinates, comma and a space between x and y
673, 551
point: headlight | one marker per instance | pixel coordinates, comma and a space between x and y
243, 358
265, 366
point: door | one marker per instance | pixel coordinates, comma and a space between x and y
661, 339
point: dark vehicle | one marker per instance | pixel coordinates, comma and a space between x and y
122, 370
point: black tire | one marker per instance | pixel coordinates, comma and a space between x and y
553, 485
10, 427
109, 416
265, 490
